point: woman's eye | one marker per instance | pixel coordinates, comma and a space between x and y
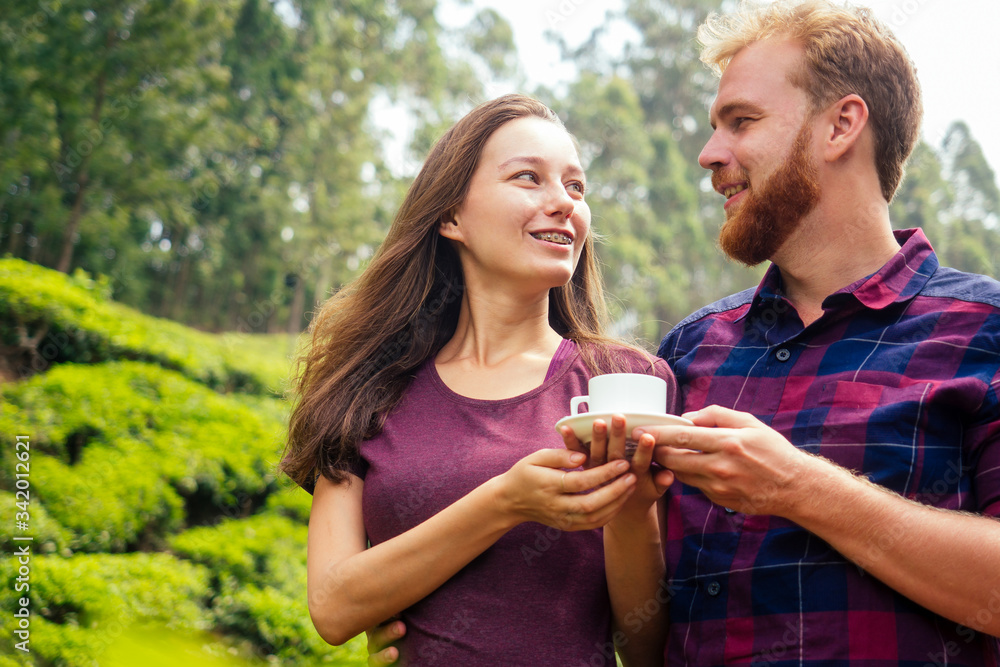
577, 186
527, 176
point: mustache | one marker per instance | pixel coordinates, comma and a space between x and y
721, 177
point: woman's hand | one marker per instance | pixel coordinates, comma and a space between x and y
540, 488
611, 445
633, 555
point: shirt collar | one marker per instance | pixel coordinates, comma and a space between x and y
899, 280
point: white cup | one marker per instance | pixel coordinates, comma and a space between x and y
623, 393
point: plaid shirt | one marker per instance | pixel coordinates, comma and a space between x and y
898, 380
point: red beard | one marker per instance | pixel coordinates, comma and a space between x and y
768, 215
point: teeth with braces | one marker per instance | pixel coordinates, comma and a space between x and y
554, 237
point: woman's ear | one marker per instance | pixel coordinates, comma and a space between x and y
847, 120
448, 227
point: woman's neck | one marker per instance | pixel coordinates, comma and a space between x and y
501, 348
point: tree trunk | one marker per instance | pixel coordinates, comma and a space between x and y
180, 287
298, 305
73, 224
83, 178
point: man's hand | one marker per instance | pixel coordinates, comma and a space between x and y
740, 463
380, 638
734, 459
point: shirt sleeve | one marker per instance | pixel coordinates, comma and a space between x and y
674, 402
983, 443
358, 467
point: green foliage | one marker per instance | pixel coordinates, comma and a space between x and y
81, 604
260, 579
279, 624
247, 549
109, 507
951, 193
125, 454
217, 159
292, 502
157, 646
129, 451
659, 259
48, 536
53, 318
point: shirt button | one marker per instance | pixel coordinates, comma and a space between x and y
713, 588
783, 354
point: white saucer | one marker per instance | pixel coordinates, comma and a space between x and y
582, 424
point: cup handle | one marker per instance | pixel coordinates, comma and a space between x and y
574, 404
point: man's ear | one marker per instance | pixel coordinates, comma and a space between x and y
847, 119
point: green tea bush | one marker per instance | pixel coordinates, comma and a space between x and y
111, 499
133, 448
279, 625
81, 604
48, 536
260, 578
291, 501
53, 318
126, 451
266, 547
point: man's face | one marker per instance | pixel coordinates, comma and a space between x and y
761, 153
757, 227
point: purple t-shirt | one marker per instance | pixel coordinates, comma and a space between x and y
538, 596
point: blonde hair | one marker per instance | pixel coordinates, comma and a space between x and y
846, 51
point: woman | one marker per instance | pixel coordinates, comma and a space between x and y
426, 410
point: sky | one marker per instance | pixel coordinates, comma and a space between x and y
954, 44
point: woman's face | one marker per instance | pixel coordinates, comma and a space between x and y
524, 220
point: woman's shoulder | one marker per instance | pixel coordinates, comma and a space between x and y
623, 358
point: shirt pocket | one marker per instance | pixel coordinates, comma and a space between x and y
880, 432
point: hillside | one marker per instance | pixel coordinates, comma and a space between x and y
145, 453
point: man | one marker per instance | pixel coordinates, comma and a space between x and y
836, 501
838, 494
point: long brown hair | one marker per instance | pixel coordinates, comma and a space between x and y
370, 337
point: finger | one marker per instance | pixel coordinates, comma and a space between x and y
605, 513
599, 443
616, 439
556, 458
573, 443
663, 480
595, 509
696, 438
584, 480
384, 657
684, 462
379, 640
643, 455
382, 635
718, 416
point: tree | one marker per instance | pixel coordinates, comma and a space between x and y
91, 91
645, 206
218, 160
